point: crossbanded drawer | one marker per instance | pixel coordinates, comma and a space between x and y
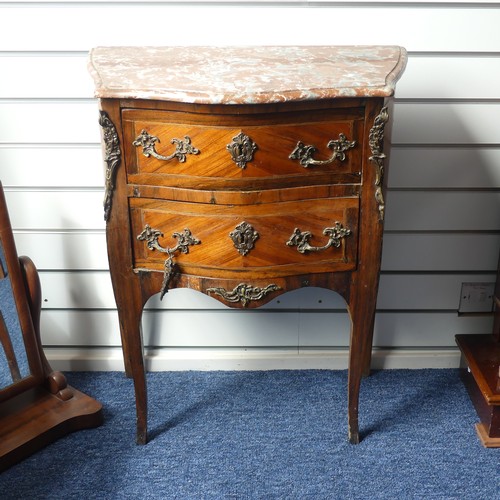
232, 149
275, 239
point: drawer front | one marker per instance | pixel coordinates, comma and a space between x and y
276, 239
178, 146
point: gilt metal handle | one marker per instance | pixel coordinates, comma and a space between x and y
304, 154
184, 241
183, 147
300, 239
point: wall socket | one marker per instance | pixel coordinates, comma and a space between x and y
476, 297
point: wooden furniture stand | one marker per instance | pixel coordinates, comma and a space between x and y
480, 370
243, 173
37, 406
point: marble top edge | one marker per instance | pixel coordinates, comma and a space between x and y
246, 75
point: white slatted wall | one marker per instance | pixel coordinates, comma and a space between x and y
443, 215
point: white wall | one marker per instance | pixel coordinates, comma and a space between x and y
443, 204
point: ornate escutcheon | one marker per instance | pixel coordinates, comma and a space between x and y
244, 293
301, 239
304, 153
112, 157
244, 237
184, 241
376, 141
242, 149
183, 147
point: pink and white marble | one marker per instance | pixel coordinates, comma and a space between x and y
246, 75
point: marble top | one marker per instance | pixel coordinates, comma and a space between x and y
246, 75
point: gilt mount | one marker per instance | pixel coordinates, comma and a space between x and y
244, 237
376, 141
112, 158
242, 149
244, 293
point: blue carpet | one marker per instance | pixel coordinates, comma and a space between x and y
269, 435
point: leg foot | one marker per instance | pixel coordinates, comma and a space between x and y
353, 428
142, 436
354, 437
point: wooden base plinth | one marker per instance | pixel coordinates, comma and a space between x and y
480, 373
486, 440
36, 418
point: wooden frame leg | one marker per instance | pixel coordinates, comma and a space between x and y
130, 317
140, 389
353, 384
362, 312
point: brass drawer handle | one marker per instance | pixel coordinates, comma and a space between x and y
301, 239
184, 241
244, 292
304, 153
183, 147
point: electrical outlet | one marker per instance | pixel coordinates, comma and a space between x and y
476, 297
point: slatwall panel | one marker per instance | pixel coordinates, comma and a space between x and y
443, 214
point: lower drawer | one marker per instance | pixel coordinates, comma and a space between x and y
227, 241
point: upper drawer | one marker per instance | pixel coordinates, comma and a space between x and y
196, 150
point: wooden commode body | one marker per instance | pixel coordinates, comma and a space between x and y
244, 173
